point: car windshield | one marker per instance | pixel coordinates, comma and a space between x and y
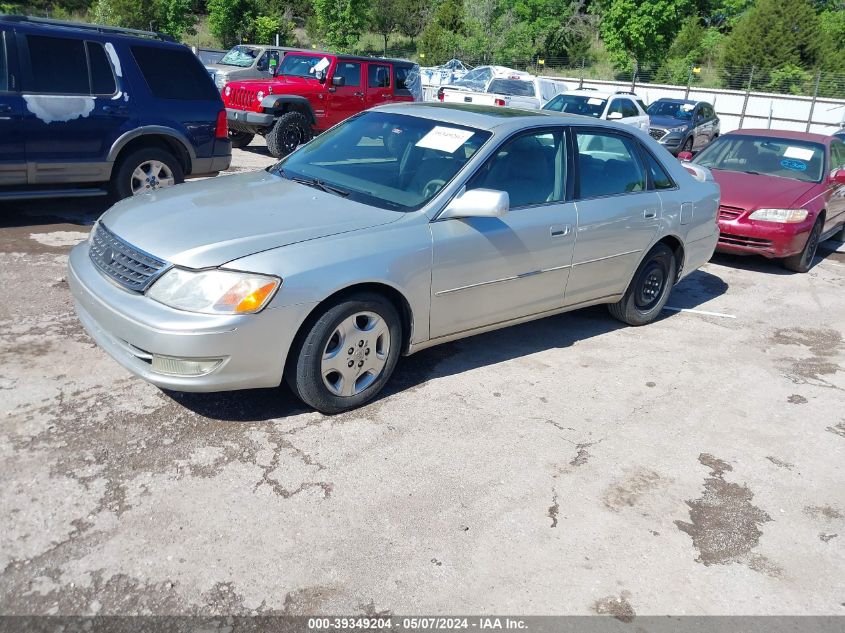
300, 65
241, 56
671, 109
512, 87
577, 104
765, 155
392, 161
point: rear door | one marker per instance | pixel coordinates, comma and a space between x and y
379, 88
12, 153
74, 109
348, 99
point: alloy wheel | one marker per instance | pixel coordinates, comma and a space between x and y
151, 175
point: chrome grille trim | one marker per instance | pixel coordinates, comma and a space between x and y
730, 213
125, 264
656, 133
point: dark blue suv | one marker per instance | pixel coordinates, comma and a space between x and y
87, 110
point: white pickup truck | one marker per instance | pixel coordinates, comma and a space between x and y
502, 87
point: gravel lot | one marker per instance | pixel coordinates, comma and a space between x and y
569, 466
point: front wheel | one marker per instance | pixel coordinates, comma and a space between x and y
801, 262
649, 289
290, 130
347, 355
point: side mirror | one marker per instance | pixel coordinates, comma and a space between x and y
684, 156
613, 116
838, 177
478, 203
338, 81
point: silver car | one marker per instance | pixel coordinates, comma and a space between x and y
406, 226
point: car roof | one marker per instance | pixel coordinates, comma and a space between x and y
601, 94
673, 100
359, 58
485, 117
787, 134
96, 32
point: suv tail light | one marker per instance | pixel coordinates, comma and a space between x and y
222, 130
440, 95
499, 102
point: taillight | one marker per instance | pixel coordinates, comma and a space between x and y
499, 102
440, 95
222, 130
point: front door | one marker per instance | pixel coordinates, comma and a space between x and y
618, 216
490, 270
12, 155
348, 98
836, 200
74, 110
379, 85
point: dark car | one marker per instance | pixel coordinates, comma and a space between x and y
681, 125
87, 110
840, 134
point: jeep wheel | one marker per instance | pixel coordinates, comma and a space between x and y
291, 130
144, 170
240, 139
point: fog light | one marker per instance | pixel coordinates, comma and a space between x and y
184, 366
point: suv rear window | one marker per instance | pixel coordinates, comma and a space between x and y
405, 76
174, 74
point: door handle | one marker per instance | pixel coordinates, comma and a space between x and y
560, 230
650, 214
386, 95
357, 94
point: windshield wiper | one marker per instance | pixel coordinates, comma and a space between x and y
752, 172
316, 183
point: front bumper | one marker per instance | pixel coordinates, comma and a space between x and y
247, 121
130, 327
769, 239
673, 143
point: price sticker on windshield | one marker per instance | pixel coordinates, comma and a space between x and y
445, 139
594, 101
801, 153
321, 65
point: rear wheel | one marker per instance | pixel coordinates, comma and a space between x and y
240, 139
649, 289
145, 170
803, 261
347, 355
290, 130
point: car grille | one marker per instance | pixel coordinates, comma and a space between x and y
740, 240
132, 268
730, 213
242, 97
656, 133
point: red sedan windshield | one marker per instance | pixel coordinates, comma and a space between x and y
766, 155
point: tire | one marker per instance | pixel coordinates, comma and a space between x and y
649, 289
290, 130
154, 162
803, 261
318, 370
240, 139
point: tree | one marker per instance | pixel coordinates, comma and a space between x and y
443, 36
641, 30
414, 16
774, 34
341, 22
267, 27
385, 18
231, 20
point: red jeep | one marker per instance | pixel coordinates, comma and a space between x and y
311, 92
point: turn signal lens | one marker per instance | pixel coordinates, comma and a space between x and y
237, 300
784, 216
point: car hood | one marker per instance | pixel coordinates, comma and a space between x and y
667, 121
208, 223
751, 191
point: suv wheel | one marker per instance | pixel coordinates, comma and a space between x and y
144, 170
649, 289
347, 355
240, 139
290, 130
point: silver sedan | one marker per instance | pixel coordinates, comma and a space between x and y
404, 227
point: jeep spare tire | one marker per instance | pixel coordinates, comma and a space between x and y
289, 132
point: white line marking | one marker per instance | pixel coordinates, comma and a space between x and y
704, 312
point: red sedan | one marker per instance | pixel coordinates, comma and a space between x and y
782, 193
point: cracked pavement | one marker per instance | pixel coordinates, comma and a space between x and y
567, 466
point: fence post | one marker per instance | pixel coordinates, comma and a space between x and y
689, 81
771, 111
581, 79
747, 94
634, 76
813, 104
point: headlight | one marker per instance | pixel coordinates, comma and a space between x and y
677, 129
214, 291
259, 95
220, 79
784, 216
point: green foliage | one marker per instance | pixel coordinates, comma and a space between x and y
230, 21
774, 34
790, 79
168, 16
341, 22
443, 36
641, 29
266, 27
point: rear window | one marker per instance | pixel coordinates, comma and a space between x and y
512, 87
102, 78
407, 80
174, 74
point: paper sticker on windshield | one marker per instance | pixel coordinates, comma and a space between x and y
321, 65
801, 153
794, 165
445, 139
594, 101
686, 107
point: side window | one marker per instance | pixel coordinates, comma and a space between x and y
263, 62
102, 78
350, 71
172, 73
531, 168
615, 107
4, 65
837, 155
58, 65
555, 105
628, 108
378, 76
607, 165
659, 178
